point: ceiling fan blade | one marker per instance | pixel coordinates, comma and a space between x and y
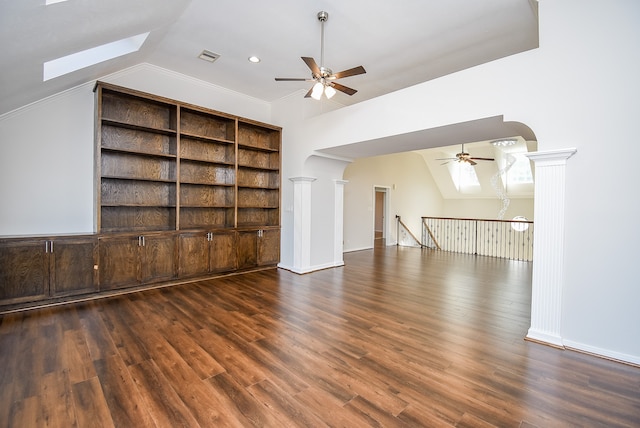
291, 79
447, 159
311, 63
471, 162
487, 159
350, 72
342, 88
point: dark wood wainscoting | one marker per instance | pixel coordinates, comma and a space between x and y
397, 337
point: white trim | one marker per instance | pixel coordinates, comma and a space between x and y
309, 269
604, 353
549, 338
358, 249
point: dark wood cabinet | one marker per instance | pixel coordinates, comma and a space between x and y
73, 266
130, 260
258, 248
269, 247
41, 268
24, 271
203, 253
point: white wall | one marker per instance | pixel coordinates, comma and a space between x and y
46, 166
579, 89
412, 194
487, 208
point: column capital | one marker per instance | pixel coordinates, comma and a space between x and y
303, 179
551, 157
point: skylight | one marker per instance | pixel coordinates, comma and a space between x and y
92, 56
464, 176
520, 171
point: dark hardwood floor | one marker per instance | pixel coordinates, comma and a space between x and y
397, 337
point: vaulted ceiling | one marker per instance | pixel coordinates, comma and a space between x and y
399, 43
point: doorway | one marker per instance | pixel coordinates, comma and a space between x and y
381, 199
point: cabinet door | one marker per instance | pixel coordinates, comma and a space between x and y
193, 250
269, 247
158, 258
24, 272
119, 262
72, 263
223, 251
247, 249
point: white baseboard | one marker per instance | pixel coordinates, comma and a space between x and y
309, 269
604, 353
546, 338
351, 250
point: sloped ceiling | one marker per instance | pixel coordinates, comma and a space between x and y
399, 43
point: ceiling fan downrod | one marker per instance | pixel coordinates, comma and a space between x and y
322, 17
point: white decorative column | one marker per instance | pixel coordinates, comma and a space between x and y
548, 246
338, 228
301, 223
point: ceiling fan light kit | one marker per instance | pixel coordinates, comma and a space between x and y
323, 77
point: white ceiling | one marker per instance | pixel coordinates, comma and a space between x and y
399, 43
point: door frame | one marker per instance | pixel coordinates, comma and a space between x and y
385, 191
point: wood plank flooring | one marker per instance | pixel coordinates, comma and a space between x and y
399, 337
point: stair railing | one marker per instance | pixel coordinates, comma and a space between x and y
510, 239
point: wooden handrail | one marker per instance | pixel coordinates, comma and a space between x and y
433, 238
408, 231
477, 219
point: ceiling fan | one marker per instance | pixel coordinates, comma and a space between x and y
324, 77
465, 157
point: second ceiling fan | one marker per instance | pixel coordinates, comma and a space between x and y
465, 157
324, 77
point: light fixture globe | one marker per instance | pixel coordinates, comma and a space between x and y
316, 92
329, 91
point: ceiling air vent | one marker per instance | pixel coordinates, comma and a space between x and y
208, 56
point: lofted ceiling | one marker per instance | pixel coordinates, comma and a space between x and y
399, 43
487, 172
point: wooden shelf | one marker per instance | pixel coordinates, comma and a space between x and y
133, 126
257, 148
259, 167
187, 159
205, 138
138, 152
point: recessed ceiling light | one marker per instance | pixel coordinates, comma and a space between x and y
208, 56
254, 59
48, 2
